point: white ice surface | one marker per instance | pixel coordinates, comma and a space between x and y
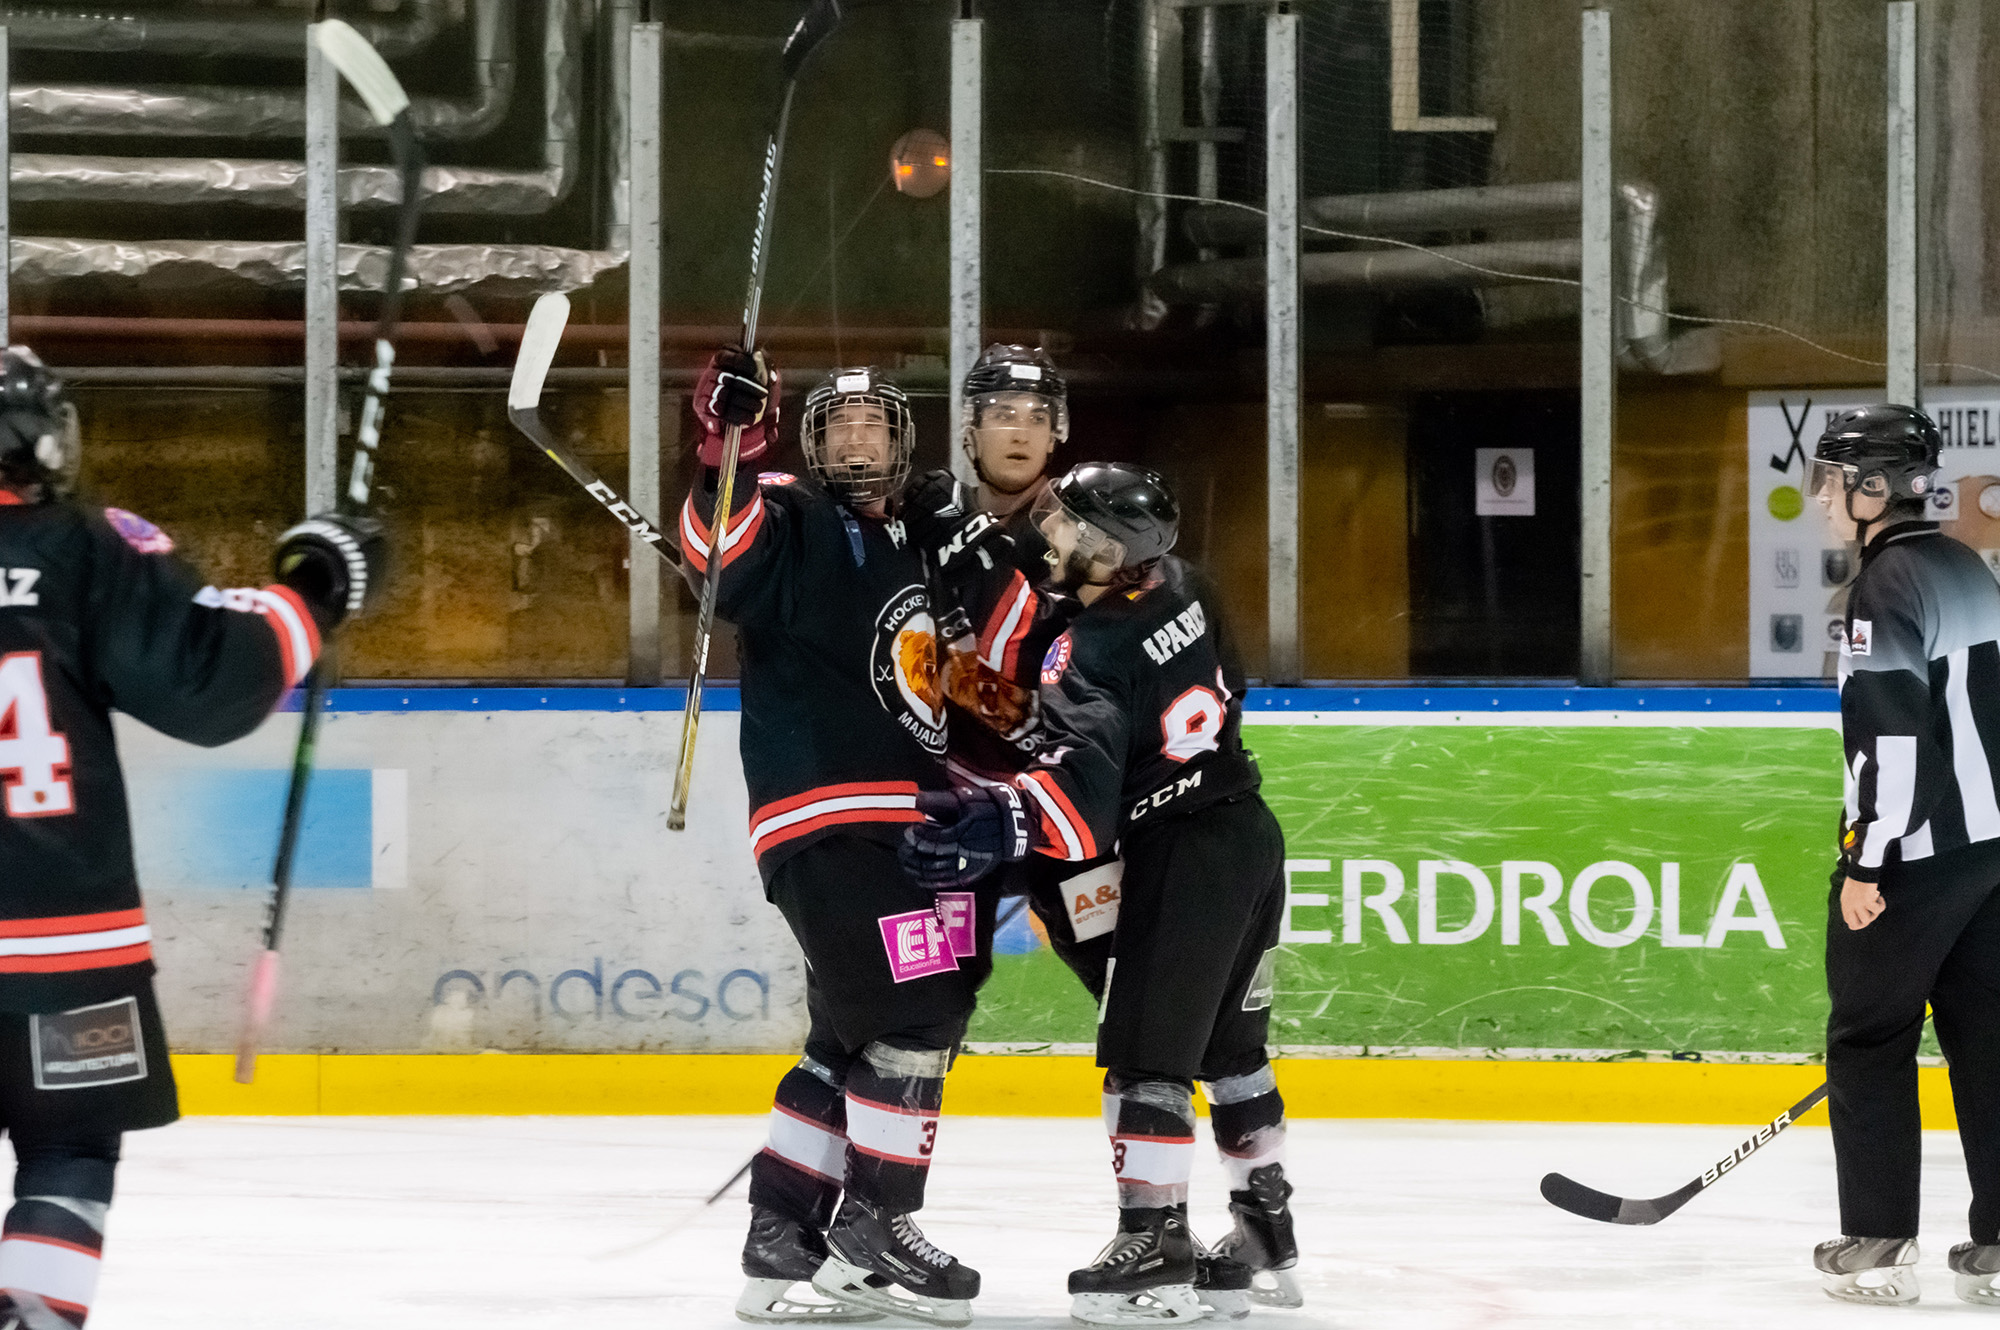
439, 1223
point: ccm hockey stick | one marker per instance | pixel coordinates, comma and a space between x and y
363, 68
811, 30
524, 400
1590, 1203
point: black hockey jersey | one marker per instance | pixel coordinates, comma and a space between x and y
1919, 700
843, 700
1141, 716
96, 614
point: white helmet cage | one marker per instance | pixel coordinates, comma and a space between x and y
857, 482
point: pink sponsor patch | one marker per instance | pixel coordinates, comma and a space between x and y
140, 534
917, 945
955, 908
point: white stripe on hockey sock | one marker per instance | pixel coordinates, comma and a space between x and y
806, 1144
59, 1271
1160, 1161
899, 1134
1266, 1146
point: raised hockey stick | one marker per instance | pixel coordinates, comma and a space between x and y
1590, 1203
817, 22
365, 70
524, 399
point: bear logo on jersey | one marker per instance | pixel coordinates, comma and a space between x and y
904, 667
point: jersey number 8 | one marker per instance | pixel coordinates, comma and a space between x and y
1192, 724
34, 759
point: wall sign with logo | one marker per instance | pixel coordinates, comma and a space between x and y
1799, 572
1504, 483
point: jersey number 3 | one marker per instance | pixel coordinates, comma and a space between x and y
1192, 724
34, 759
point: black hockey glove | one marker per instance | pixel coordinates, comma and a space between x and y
944, 521
963, 835
335, 563
738, 387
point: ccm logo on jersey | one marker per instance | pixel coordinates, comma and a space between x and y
17, 587
1181, 631
1859, 639
1166, 794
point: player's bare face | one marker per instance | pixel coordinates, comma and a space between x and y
1015, 435
857, 434
1843, 516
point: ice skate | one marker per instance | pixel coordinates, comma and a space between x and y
779, 1254
1976, 1272
882, 1261
1869, 1270
1263, 1238
1221, 1285
1144, 1276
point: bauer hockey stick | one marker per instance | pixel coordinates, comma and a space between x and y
811, 30
524, 401
1590, 1203
363, 68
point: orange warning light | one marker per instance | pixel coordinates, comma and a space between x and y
920, 163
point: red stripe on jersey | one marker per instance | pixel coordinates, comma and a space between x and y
744, 526
9, 499
72, 923
1066, 833
820, 793
295, 628
79, 960
845, 817
1000, 640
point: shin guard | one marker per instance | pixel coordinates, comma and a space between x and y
799, 1171
1248, 1117
893, 1098
53, 1238
1151, 1125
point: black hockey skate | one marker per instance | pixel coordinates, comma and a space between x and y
882, 1261
1221, 1285
779, 1254
1976, 1270
1144, 1276
1263, 1238
1881, 1271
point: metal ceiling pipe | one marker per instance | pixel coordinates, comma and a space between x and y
251, 32
1401, 213
62, 177
90, 110
1500, 263
195, 264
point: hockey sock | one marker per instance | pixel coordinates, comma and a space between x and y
893, 1097
53, 1239
1248, 1116
799, 1170
1151, 1124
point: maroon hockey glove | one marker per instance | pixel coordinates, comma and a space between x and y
963, 835
736, 388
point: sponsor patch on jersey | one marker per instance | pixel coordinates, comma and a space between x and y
776, 478
1057, 659
97, 1045
1263, 984
904, 667
1091, 899
140, 534
917, 945
1860, 638
954, 910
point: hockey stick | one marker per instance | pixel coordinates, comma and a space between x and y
811, 30
1590, 1203
363, 67
524, 399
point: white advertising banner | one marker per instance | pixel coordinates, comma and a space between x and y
1798, 572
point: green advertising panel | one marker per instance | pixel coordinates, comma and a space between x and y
1582, 888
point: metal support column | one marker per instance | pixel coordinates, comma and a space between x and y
6, 208
322, 279
967, 108
643, 349
1208, 93
1599, 337
1281, 336
1904, 384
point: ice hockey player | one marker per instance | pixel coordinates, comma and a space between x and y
98, 614
843, 726
1914, 914
1016, 413
1139, 744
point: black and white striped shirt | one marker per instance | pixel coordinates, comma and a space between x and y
1919, 701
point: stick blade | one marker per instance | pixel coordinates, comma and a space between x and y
1589, 1203
538, 350
363, 67
812, 29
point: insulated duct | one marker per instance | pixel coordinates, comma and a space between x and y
251, 32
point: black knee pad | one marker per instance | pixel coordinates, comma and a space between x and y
78, 1166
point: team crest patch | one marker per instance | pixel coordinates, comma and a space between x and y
140, 534
776, 478
1860, 638
1057, 660
904, 667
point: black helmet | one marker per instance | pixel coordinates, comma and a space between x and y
1124, 518
38, 435
1890, 452
862, 388
1011, 368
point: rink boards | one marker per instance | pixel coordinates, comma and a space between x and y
1513, 885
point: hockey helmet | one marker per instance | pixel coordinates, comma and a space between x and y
1011, 368
1107, 520
1890, 452
857, 435
38, 430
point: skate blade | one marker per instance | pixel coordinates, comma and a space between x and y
770, 1302
1165, 1305
850, 1284
1884, 1286
1276, 1288
1980, 1290
1224, 1304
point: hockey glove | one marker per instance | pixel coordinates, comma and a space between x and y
335, 563
963, 835
943, 521
736, 388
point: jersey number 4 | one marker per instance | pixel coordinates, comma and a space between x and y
34, 759
1192, 724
